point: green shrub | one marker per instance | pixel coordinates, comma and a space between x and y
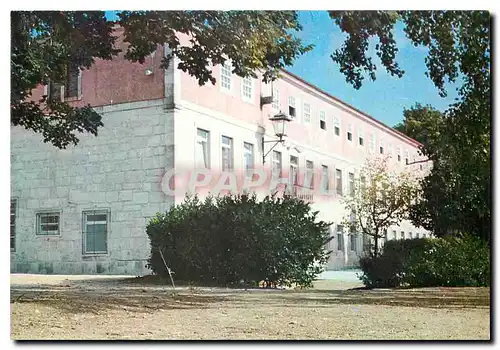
229, 239
452, 261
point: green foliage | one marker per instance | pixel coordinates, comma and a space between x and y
47, 44
229, 239
460, 261
457, 193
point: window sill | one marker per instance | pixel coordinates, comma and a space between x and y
72, 99
90, 255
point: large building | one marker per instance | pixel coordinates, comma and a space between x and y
84, 209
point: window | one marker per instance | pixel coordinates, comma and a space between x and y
225, 76
247, 89
418, 235
95, 231
361, 138
248, 159
339, 181
227, 153
353, 238
309, 174
399, 154
340, 237
410, 235
402, 234
324, 178
276, 99
294, 168
322, 120
72, 87
276, 160
372, 142
407, 157
394, 235
351, 184
349, 132
336, 126
381, 149
292, 112
389, 149
421, 167
363, 181
307, 112
13, 207
47, 224
203, 148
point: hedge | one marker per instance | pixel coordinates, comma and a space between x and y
238, 239
457, 261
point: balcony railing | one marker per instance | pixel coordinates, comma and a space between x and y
300, 192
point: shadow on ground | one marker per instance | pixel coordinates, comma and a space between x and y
147, 295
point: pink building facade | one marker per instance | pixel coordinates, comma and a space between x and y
84, 209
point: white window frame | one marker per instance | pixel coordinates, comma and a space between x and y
231, 152
381, 145
325, 179
294, 181
39, 215
226, 72
85, 214
389, 149
339, 229
361, 136
307, 112
322, 118
351, 180
246, 151
407, 157
399, 156
372, 142
309, 174
338, 188
276, 99
203, 140
279, 161
336, 124
353, 239
349, 131
291, 103
250, 85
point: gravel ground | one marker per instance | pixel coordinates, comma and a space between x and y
105, 307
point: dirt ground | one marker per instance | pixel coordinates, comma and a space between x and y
110, 308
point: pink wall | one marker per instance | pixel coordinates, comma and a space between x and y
119, 80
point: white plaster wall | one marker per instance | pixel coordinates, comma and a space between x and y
189, 117
119, 170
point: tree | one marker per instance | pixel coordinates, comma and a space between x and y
381, 198
47, 45
459, 185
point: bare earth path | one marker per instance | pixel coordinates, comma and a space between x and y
96, 307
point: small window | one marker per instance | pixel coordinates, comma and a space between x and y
410, 235
276, 160
372, 142
402, 234
95, 231
309, 174
381, 149
399, 154
292, 112
227, 153
418, 235
407, 158
276, 99
247, 88
351, 184
322, 120
307, 112
394, 235
336, 126
421, 167
349, 132
361, 141
47, 224
13, 210
72, 86
339, 181
353, 238
203, 148
389, 149
225, 76
340, 237
248, 159
324, 178
361, 138
294, 170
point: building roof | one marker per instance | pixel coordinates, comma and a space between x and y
385, 126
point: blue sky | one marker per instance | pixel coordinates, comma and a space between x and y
383, 99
